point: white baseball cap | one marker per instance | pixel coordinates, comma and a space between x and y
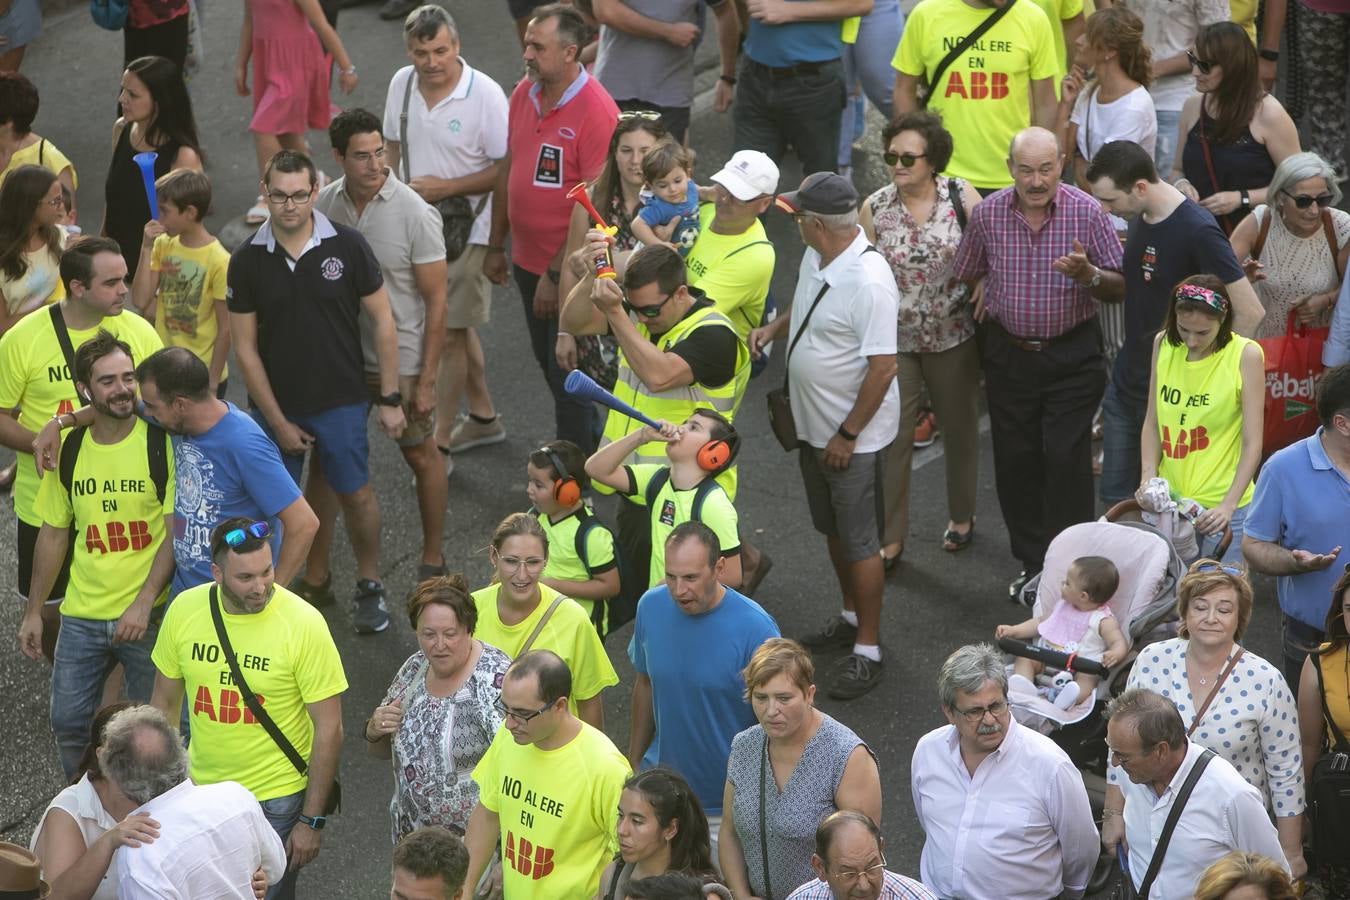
748, 174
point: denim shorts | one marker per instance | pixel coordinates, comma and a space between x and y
340, 446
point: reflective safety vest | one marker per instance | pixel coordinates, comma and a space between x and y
675, 405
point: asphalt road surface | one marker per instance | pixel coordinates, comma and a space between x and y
934, 601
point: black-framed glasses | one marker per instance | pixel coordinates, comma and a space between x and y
299, 198
1303, 201
236, 536
521, 717
1203, 65
976, 715
906, 160
647, 312
875, 871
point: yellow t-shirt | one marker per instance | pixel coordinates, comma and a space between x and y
733, 270
191, 283
41, 153
1058, 12
558, 812
568, 633
118, 520
673, 507
1199, 408
1243, 12
288, 659
984, 97
566, 565
34, 378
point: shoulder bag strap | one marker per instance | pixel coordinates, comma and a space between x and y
764, 776
1262, 232
801, 331
1209, 164
964, 44
1342, 746
250, 700
1223, 676
1329, 230
548, 614
1173, 816
63, 338
70, 450
403, 127
958, 202
157, 458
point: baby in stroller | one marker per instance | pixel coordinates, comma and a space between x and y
1081, 623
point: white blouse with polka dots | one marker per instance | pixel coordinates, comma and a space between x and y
1252, 723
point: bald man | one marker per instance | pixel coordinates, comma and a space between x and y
1039, 254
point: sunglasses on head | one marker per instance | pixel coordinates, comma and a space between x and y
1235, 571
904, 159
647, 114
236, 536
1303, 201
1203, 65
647, 312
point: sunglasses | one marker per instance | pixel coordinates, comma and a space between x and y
1235, 571
1303, 201
904, 159
237, 536
646, 312
1203, 65
647, 114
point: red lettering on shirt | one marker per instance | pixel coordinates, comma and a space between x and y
116, 537
983, 86
228, 709
1186, 441
526, 858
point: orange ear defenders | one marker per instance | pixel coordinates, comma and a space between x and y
719, 453
566, 490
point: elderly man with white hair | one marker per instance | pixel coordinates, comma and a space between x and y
1004, 810
212, 838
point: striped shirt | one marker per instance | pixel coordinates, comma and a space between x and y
893, 887
1023, 292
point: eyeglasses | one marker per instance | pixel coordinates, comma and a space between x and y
299, 198
1124, 759
1303, 201
1235, 571
869, 873
58, 202
904, 159
521, 717
647, 312
362, 158
1196, 62
513, 563
236, 536
976, 715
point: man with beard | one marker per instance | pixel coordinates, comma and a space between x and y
115, 490
281, 648
1004, 810
1041, 254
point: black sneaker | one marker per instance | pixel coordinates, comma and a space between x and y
1017, 592
316, 595
371, 615
854, 676
836, 633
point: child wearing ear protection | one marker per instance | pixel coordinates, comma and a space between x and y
686, 490
581, 562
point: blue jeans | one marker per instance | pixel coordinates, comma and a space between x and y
282, 813
869, 61
1165, 149
85, 654
1122, 423
1210, 542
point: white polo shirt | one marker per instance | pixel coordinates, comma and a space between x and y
856, 318
462, 134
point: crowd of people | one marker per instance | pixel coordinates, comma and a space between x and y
1100, 218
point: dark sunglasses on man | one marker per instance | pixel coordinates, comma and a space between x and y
646, 312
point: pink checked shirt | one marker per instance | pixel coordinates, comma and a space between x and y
1022, 290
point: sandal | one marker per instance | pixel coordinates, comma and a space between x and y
257, 213
953, 540
888, 563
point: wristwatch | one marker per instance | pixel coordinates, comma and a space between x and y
1096, 278
394, 399
1272, 55
1246, 199
315, 822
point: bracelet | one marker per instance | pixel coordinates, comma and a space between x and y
57, 419
1111, 812
729, 79
349, 71
1272, 55
845, 434
564, 334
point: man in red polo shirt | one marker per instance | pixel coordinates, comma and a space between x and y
559, 125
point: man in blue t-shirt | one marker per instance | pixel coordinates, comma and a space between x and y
1170, 238
685, 715
224, 467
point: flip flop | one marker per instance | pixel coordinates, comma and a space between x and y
954, 541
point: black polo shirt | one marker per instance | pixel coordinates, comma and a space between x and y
308, 310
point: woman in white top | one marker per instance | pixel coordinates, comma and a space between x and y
1297, 266
1115, 104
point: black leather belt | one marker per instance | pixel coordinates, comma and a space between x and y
1036, 345
805, 68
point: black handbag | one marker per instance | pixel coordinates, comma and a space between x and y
1124, 888
334, 800
1329, 788
457, 216
781, 420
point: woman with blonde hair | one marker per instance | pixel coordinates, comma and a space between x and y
1262, 879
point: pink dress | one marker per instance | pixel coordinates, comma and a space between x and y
290, 73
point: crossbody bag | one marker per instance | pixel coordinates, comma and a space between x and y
1125, 890
781, 420
333, 802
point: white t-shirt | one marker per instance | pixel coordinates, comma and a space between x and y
1170, 26
1127, 118
460, 135
855, 319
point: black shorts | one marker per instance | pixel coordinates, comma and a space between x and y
27, 542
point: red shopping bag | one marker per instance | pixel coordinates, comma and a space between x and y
1293, 365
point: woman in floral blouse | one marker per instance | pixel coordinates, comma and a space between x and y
439, 711
916, 223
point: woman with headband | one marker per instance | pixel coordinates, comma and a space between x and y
1205, 410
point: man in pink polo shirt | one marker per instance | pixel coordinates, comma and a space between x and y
558, 130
